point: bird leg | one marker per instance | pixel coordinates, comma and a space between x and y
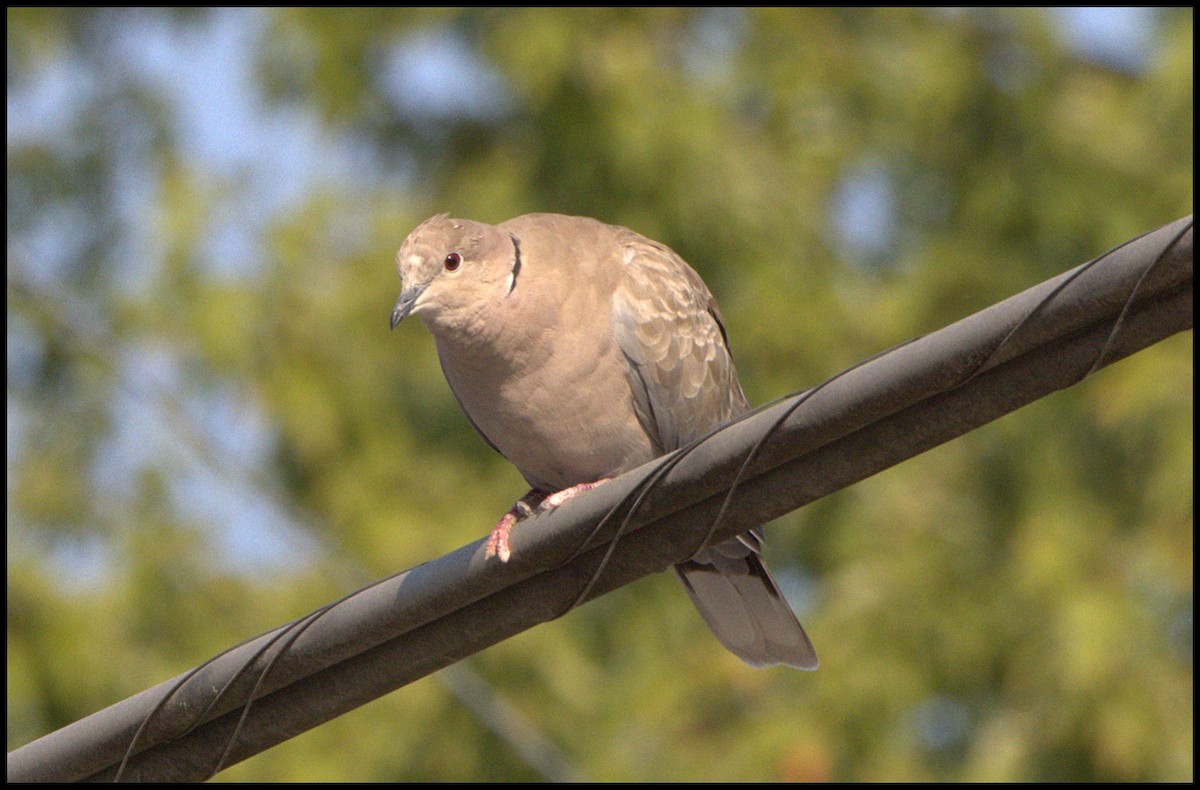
557, 498
497, 541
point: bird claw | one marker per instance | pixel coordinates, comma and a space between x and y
558, 497
497, 540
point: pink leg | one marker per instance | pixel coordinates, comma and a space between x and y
497, 542
556, 499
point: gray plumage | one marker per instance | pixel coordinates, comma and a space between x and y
580, 350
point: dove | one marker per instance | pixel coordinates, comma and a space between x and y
580, 350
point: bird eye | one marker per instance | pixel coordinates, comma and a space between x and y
452, 262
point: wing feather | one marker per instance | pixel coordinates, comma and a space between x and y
669, 329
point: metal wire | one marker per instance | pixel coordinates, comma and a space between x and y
878, 413
96, 342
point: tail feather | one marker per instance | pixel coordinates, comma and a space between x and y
743, 606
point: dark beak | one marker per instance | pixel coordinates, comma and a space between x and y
408, 297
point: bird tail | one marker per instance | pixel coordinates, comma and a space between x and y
743, 606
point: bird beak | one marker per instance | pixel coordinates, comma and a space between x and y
408, 298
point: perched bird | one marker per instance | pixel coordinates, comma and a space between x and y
580, 350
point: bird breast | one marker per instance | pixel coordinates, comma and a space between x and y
555, 400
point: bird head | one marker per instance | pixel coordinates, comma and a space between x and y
452, 269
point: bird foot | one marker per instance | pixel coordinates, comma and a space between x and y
497, 541
557, 498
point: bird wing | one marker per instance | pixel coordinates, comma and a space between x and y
684, 385
669, 329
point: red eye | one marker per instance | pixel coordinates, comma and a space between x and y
452, 262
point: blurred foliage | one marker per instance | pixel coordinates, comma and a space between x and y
211, 432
